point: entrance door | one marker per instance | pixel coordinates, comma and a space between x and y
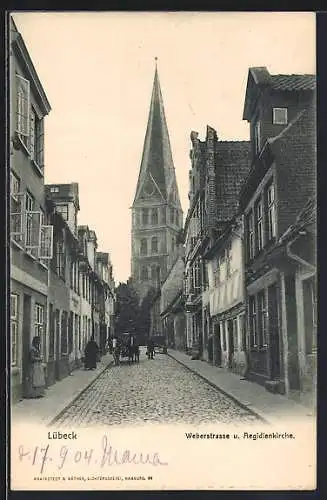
57, 355
27, 337
230, 343
218, 344
274, 332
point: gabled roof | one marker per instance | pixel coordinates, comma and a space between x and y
293, 82
157, 162
260, 78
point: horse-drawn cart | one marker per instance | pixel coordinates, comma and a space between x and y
126, 348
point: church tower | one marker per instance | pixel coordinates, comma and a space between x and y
157, 215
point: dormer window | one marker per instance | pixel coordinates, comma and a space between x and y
63, 211
257, 136
280, 116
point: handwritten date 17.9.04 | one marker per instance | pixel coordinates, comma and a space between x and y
40, 456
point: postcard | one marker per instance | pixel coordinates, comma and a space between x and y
163, 298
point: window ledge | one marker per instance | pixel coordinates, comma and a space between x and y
16, 244
22, 144
30, 255
43, 265
39, 170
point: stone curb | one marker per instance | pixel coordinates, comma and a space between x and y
79, 393
255, 411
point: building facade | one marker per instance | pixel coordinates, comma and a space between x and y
171, 304
106, 298
225, 265
63, 286
31, 237
157, 215
218, 170
281, 112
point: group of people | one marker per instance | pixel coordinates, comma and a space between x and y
36, 376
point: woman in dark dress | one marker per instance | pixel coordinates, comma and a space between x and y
36, 379
91, 354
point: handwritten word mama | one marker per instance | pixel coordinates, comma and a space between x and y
114, 457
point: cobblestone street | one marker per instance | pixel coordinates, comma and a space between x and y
154, 391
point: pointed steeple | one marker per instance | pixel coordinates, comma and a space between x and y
157, 171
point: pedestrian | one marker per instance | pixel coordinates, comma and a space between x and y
36, 379
115, 350
91, 354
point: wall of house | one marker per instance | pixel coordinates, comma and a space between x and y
296, 174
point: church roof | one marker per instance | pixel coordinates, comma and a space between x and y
157, 162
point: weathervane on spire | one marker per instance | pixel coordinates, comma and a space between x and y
156, 59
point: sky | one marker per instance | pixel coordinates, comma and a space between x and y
97, 70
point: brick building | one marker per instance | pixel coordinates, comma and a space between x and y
218, 170
281, 112
31, 237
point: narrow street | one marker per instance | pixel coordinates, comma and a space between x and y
153, 391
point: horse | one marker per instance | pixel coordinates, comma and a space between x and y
133, 353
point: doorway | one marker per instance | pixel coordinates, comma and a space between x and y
274, 332
26, 344
230, 343
217, 343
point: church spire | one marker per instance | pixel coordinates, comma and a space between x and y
157, 165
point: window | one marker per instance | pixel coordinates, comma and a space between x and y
250, 235
163, 215
253, 321
257, 136
177, 218
144, 246
145, 216
196, 275
154, 216
33, 222
63, 211
154, 244
14, 315
153, 272
23, 108
64, 332
16, 209
173, 243
280, 116
262, 318
144, 273
172, 216
60, 255
54, 190
271, 212
39, 323
36, 140
259, 225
